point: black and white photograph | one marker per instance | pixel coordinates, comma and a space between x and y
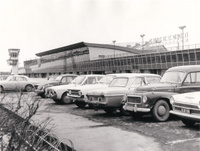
99, 75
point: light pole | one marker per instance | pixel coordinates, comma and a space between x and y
142, 40
182, 28
114, 41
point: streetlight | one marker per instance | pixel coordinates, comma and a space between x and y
182, 28
142, 40
114, 41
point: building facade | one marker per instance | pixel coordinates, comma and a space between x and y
88, 58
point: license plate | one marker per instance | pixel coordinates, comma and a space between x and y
185, 110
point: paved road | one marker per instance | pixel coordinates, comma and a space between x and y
88, 135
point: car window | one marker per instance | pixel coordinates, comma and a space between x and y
90, 80
21, 79
119, 82
192, 78
138, 82
11, 79
152, 80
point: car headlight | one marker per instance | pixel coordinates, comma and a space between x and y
144, 99
124, 99
70, 92
172, 101
79, 93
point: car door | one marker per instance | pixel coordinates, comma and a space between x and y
191, 83
21, 82
10, 84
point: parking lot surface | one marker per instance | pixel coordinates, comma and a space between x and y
95, 130
89, 130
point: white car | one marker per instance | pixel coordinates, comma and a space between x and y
79, 93
60, 93
187, 107
17, 83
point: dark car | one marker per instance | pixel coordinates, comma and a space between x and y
60, 80
155, 99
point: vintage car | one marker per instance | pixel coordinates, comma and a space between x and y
110, 99
187, 107
17, 83
59, 80
154, 99
60, 93
78, 94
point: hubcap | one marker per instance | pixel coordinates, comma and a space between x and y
161, 110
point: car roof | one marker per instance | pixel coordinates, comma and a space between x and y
91, 75
68, 75
129, 75
188, 68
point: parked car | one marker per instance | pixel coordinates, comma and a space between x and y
154, 99
78, 94
187, 107
62, 79
60, 93
109, 99
17, 82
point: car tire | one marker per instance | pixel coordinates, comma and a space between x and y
188, 122
29, 88
1, 89
80, 104
65, 99
124, 112
110, 110
160, 111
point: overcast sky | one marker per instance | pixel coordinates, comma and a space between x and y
39, 25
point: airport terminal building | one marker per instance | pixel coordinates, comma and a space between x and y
91, 58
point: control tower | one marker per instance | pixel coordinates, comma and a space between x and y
13, 60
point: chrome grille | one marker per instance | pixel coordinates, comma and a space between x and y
135, 100
75, 92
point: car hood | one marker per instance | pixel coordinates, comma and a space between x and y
48, 83
63, 87
157, 87
188, 98
89, 87
109, 91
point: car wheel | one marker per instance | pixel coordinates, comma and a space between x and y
29, 88
188, 122
80, 104
1, 89
160, 111
110, 110
65, 99
124, 112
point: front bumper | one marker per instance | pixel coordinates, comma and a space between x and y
98, 104
135, 108
79, 98
186, 115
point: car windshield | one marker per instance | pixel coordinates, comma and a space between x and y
152, 80
106, 80
173, 77
119, 82
58, 78
78, 80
